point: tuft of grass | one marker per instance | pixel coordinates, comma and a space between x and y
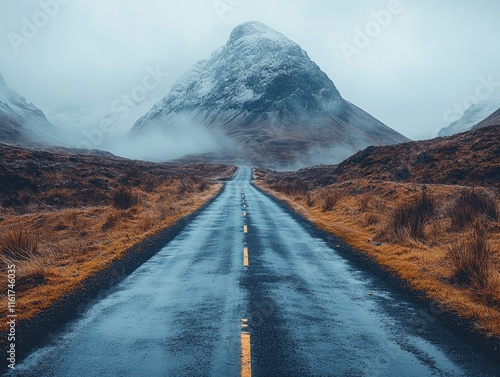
364, 202
469, 207
33, 272
202, 186
309, 200
409, 219
471, 260
123, 198
327, 199
18, 245
371, 219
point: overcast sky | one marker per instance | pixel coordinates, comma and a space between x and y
419, 62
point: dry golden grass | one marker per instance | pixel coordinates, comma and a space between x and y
72, 244
365, 214
60, 229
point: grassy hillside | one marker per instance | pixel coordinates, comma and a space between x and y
64, 216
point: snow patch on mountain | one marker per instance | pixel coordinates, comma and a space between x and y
472, 116
23, 122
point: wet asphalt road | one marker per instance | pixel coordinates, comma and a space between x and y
309, 312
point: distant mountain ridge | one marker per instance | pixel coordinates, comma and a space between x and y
472, 116
492, 120
263, 92
22, 122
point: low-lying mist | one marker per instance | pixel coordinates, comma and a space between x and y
158, 145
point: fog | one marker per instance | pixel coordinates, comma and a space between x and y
158, 144
411, 64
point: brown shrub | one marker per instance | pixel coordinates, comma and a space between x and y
309, 200
490, 293
202, 186
33, 272
19, 245
435, 232
468, 207
123, 198
471, 260
371, 219
409, 219
327, 199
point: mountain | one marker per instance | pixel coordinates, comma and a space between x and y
22, 122
263, 93
467, 159
472, 116
492, 120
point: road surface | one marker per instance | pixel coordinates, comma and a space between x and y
245, 290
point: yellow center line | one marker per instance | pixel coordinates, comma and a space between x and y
246, 359
245, 229
245, 257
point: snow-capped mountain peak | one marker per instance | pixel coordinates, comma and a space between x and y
261, 86
250, 31
22, 122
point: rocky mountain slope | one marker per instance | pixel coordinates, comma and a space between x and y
492, 120
468, 159
22, 122
276, 106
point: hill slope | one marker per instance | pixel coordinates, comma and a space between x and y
470, 159
492, 120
